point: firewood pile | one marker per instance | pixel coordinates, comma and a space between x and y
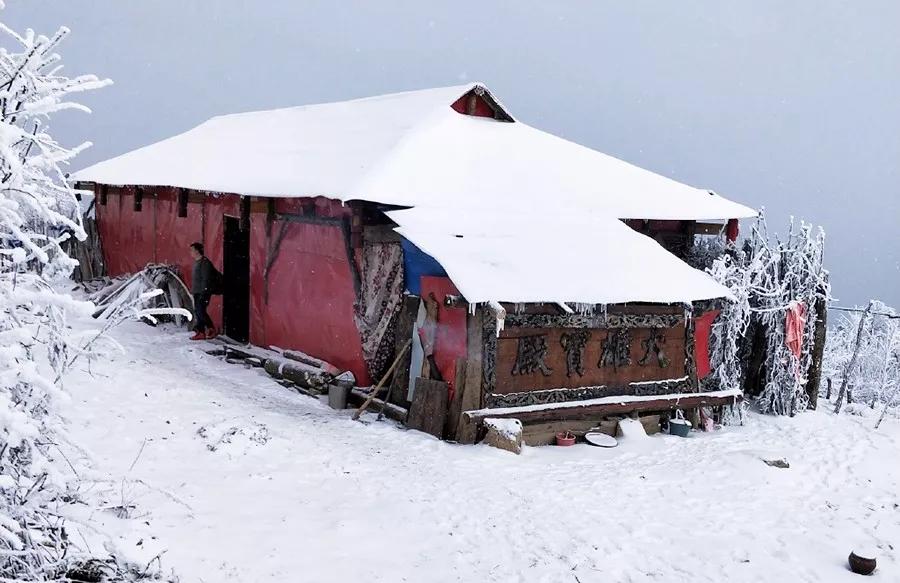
291, 368
156, 286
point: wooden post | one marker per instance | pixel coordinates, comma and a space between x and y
406, 319
455, 406
428, 411
245, 213
755, 380
182, 202
814, 375
470, 391
852, 364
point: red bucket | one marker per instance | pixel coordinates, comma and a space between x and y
565, 438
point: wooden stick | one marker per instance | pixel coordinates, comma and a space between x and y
850, 365
397, 359
387, 397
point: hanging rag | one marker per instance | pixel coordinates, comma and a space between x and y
794, 323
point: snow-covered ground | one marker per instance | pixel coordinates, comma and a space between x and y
236, 478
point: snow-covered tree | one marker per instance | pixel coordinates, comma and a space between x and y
36, 345
769, 278
875, 374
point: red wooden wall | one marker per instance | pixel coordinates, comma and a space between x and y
450, 337
308, 305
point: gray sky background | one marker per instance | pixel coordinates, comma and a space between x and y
794, 106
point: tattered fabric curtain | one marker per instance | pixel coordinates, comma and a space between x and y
378, 303
795, 321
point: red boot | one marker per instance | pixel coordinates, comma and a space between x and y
211, 333
198, 335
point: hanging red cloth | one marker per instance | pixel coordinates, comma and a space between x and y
702, 328
794, 324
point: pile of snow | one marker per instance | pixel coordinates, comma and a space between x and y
632, 429
518, 256
322, 485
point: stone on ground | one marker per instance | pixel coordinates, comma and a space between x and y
504, 434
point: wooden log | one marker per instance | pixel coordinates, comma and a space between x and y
814, 374
579, 410
271, 367
311, 361
358, 397
298, 373
428, 411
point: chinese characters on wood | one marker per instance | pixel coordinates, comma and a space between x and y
535, 352
573, 343
532, 351
615, 350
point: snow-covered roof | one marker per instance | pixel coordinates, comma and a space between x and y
552, 257
406, 149
512, 213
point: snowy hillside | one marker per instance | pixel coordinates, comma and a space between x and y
235, 478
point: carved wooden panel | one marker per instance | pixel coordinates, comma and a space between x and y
529, 359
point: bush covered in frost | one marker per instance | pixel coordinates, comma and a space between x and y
36, 346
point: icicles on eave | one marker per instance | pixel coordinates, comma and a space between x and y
499, 314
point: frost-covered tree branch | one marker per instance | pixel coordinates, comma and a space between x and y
769, 278
38, 212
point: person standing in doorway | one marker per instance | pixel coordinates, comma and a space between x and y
204, 283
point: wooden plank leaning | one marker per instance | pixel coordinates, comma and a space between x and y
387, 375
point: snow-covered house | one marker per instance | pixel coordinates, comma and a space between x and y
551, 270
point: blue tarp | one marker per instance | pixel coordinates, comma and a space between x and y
417, 263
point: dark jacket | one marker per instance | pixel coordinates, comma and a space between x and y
202, 276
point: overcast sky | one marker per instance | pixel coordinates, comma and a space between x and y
794, 106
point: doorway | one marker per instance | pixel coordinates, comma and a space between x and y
236, 275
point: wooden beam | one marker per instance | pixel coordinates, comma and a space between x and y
470, 391
606, 406
182, 202
312, 220
81, 185
380, 234
358, 397
245, 213
708, 228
